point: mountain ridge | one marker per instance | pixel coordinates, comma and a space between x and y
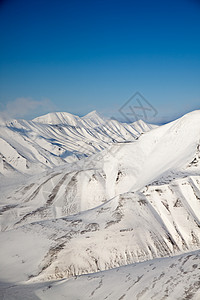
40, 146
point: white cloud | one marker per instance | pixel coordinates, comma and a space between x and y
26, 108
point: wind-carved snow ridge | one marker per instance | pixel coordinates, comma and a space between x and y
132, 205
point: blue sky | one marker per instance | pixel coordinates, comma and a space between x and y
79, 56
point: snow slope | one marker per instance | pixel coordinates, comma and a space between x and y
154, 279
167, 148
167, 278
129, 228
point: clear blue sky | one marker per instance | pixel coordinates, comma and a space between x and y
86, 55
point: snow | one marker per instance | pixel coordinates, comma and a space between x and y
108, 222
161, 150
158, 278
58, 118
56, 138
171, 278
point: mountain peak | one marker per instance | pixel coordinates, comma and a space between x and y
94, 118
92, 114
57, 118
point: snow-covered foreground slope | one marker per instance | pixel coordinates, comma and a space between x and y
54, 139
129, 228
167, 278
136, 200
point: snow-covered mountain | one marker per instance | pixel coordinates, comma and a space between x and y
133, 199
29, 147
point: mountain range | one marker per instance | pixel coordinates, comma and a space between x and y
92, 208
